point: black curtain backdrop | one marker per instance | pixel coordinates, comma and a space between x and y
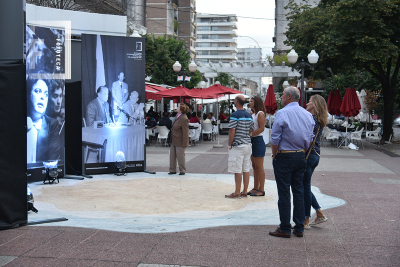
13, 180
88, 72
73, 133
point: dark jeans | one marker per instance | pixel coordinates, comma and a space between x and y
289, 171
309, 198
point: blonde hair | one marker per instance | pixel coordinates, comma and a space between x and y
320, 110
184, 108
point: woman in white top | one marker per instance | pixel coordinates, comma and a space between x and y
258, 146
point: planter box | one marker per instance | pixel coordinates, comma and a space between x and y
311, 84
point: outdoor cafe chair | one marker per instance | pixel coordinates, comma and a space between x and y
374, 136
332, 135
207, 129
356, 135
162, 134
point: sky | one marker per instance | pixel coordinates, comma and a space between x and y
262, 30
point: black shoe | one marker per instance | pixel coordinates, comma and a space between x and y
255, 194
298, 234
171, 173
181, 173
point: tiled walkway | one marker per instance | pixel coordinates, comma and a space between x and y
364, 231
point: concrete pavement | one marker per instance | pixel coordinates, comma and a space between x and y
362, 231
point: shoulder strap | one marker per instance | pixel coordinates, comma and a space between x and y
312, 145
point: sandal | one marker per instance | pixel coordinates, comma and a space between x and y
255, 194
233, 195
249, 193
243, 194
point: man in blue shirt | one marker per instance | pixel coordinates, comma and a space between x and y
291, 136
239, 144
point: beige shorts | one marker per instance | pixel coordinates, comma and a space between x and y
239, 160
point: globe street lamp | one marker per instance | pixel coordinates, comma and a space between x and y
185, 74
312, 58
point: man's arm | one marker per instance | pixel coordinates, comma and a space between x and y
90, 114
231, 136
274, 150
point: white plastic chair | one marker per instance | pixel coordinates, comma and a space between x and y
375, 136
162, 134
332, 135
195, 135
207, 129
356, 135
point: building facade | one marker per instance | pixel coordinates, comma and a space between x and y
173, 18
281, 24
249, 55
215, 40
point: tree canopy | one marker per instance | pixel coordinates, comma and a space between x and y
351, 35
161, 54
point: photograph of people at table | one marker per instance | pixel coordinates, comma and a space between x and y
113, 99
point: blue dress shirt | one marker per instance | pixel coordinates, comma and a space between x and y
293, 128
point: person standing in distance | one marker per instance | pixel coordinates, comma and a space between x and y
179, 139
291, 136
239, 145
119, 93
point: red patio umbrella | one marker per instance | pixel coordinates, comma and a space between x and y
329, 103
178, 93
336, 103
270, 101
347, 106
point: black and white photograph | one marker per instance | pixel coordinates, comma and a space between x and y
113, 98
45, 58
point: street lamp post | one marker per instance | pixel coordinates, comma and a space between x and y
312, 58
177, 68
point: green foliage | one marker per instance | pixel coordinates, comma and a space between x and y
278, 59
161, 54
351, 35
225, 79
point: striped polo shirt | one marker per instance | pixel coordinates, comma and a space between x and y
242, 122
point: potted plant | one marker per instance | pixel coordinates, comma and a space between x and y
293, 81
312, 82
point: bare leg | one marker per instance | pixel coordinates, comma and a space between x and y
259, 168
238, 182
319, 213
246, 180
256, 175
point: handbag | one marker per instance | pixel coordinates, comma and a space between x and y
312, 145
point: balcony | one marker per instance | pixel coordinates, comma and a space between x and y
232, 24
218, 48
227, 57
216, 41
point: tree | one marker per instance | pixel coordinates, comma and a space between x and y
225, 79
352, 35
161, 54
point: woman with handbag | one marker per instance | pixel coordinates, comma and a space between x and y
317, 107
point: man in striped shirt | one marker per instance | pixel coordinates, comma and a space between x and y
241, 126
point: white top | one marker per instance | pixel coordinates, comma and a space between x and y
256, 126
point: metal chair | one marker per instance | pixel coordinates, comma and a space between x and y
100, 149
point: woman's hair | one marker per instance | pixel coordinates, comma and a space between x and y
184, 108
258, 105
205, 116
320, 110
194, 114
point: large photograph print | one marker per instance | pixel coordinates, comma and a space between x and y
113, 97
45, 61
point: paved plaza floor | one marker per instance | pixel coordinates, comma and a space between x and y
162, 220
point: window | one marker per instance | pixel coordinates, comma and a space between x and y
204, 60
205, 53
215, 36
205, 36
214, 28
205, 20
213, 53
205, 28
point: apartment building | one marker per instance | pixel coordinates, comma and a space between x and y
249, 55
215, 40
281, 24
173, 18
